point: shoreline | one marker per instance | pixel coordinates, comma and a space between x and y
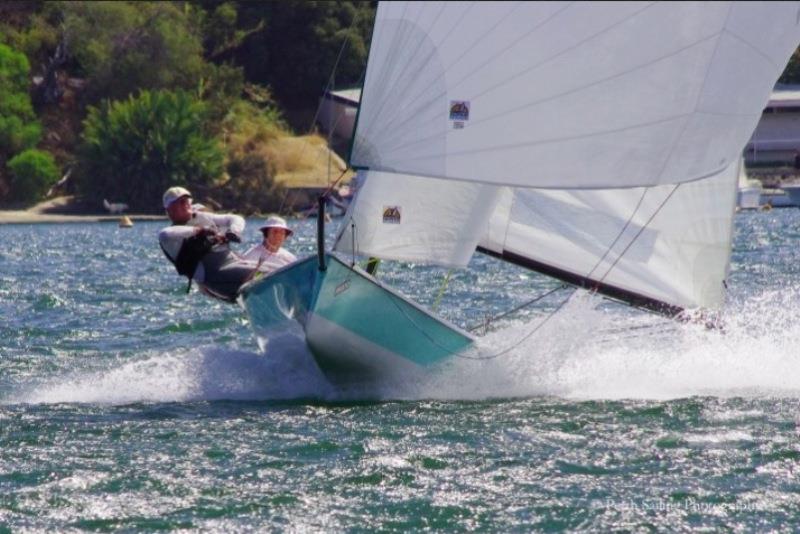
64, 210
34, 217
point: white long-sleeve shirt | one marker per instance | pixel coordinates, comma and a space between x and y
171, 237
269, 260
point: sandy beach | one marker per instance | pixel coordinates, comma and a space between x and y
56, 211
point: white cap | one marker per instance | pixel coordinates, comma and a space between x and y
174, 193
276, 222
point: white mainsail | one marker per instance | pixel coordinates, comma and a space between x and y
618, 127
568, 94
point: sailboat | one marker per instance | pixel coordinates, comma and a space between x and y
598, 143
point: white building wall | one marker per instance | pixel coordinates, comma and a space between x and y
776, 137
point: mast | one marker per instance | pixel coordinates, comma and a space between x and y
321, 232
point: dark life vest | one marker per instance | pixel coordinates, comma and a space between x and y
191, 253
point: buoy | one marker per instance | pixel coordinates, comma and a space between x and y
125, 222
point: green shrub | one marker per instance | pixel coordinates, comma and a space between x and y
33, 172
251, 185
18, 126
132, 150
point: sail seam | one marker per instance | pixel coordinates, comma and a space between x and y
409, 117
665, 165
575, 47
416, 98
582, 187
534, 67
514, 44
396, 127
426, 61
752, 47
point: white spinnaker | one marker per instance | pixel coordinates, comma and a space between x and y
569, 94
410, 218
668, 243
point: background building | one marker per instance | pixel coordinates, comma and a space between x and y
776, 139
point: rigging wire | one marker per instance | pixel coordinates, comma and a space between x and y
486, 322
445, 282
563, 303
526, 336
328, 87
642, 229
616, 239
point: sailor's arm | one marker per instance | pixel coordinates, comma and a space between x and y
288, 256
228, 222
171, 238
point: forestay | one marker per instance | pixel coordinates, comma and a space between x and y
568, 94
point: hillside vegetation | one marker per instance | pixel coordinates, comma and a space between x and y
118, 100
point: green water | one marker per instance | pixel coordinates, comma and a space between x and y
126, 405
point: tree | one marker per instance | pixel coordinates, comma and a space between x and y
19, 128
134, 149
124, 47
33, 172
791, 74
250, 169
297, 48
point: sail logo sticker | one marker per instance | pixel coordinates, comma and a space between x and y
459, 113
391, 214
459, 110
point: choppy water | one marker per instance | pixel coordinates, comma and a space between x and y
127, 405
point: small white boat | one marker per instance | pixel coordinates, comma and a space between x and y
748, 198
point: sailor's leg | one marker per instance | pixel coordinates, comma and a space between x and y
225, 274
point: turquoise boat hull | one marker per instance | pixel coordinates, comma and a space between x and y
354, 326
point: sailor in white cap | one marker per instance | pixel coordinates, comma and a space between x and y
270, 253
197, 244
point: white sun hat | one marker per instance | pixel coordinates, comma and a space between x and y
174, 193
276, 222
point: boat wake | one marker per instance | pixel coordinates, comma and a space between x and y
203, 374
586, 351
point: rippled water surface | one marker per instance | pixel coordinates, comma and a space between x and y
126, 404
